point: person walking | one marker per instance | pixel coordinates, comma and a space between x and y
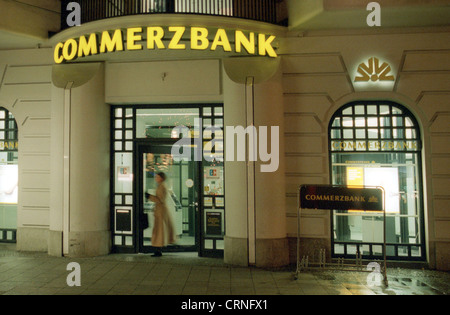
163, 228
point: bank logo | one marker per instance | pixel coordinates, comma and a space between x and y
373, 71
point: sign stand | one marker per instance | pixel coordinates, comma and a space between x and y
299, 212
340, 198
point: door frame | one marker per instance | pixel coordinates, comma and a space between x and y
141, 147
130, 242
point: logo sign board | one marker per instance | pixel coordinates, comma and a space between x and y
341, 198
165, 38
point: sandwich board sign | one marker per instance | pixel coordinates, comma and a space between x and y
341, 198
331, 197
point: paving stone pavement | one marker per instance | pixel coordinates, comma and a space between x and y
187, 274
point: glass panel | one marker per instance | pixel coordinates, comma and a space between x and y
411, 134
119, 112
396, 111
373, 133
348, 133
181, 196
337, 122
372, 110
348, 111
118, 123
159, 123
347, 122
397, 174
123, 173
129, 135
338, 249
416, 251
386, 134
372, 122
360, 133
359, 110
118, 240
207, 111
360, 122
385, 110
335, 134
385, 121
129, 146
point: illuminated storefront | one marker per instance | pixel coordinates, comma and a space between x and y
328, 98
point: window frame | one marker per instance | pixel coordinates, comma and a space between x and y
404, 115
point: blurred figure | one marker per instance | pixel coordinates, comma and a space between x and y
163, 228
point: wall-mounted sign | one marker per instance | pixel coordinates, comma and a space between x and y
171, 38
341, 198
9, 145
375, 145
374, 72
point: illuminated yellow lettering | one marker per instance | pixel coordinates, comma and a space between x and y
265, 46
70, 49
221, 39
86, 48
199, 38
242, 40
175, 42
132, 38
58, 57
154, 37
361, 145
111, 44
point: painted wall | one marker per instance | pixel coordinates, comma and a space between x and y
25, 90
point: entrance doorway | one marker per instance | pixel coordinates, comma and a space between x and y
183, 195
142, 141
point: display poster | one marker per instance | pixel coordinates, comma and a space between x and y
214, 223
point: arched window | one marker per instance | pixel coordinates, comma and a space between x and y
9, 175
378, 144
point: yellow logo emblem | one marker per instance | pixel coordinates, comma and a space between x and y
374, 72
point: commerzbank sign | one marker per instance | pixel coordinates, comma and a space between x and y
161, 38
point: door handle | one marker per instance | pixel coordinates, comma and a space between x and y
195, 205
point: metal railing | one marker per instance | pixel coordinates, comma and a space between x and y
93, 10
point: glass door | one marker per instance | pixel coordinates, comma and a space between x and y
182, 182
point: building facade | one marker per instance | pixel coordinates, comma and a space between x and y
314, 93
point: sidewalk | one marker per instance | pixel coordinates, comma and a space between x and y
187, 274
